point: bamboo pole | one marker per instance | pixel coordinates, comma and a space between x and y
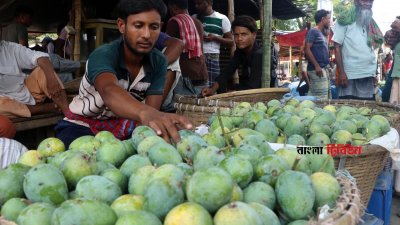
231, 10
266, 43
231, 17
77, 41
291, 62
261, 8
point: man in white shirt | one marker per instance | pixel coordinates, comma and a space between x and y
354, 50
23, 95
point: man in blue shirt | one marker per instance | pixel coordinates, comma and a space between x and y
122, 74
317, 53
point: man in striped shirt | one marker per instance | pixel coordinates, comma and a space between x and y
120, 76
217, 31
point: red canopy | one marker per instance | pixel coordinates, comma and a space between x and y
295, 39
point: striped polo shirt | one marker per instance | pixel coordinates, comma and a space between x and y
109, 58
216, 24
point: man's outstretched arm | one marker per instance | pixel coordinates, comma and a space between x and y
165, 124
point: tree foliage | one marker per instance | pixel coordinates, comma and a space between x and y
307, 6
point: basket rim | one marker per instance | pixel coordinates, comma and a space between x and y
193, 100
367, 150
361, 102
248, 92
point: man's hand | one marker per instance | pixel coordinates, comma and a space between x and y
166, 125
209, 37
54, 87
318, 71
207, 92
343, 80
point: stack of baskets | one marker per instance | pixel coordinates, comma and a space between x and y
364, 167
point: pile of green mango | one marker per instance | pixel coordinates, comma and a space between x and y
304, 123
228, 176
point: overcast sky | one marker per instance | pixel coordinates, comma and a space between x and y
385, 11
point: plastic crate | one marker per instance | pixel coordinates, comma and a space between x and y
380, 203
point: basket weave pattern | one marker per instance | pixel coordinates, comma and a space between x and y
348, 207
365, 168
252, 95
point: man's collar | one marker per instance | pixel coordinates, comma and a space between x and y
254, 48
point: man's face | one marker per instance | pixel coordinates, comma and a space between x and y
201, 6
391, 38
364, 4
326, 21
140, 31
26, 19
364, 12
396, 25
244, 38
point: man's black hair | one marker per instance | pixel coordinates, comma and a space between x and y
182, 4
131, 7
321, 14
23, 10
245, 21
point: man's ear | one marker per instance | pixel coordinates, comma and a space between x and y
254, 34
121, 25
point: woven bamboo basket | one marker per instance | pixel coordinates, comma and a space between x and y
197, 115
364, 167
198, 110
348, 209
252, 95
367, 166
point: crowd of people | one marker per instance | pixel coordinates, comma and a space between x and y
145, 68
353, 69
